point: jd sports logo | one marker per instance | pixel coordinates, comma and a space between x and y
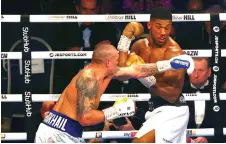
189, 17
130, 17
51, 54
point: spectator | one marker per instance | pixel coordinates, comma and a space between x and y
83, 36
214, 9
200, 111
190, 33
199, 78
131, 6
106, 7
141, 6
224, 86
92, 32
5, 124
199, 82
207, 38
195, 5
208, 3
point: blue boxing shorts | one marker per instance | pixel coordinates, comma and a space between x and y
58, 128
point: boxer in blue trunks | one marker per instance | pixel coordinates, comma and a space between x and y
77, 105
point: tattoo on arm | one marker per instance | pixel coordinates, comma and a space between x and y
147, 69
87, 88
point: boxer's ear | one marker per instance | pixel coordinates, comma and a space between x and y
149, 25
107, 63
209, 72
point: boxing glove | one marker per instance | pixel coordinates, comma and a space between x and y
132, 30
123, 107
175, 63
135, 59
148, 81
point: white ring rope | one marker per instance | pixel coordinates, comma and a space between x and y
88, 54
107, 97
109, 18
112, 134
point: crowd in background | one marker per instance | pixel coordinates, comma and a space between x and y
86, 36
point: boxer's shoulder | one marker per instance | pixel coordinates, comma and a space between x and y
140, 45
173, 47
86, 77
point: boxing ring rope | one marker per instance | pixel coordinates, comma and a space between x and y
113, 134
107, 97
88, 55
109, 18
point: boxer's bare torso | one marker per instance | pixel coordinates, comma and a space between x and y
72, 103
168, 84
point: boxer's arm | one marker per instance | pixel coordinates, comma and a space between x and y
132, 30
122, 63
137, 70
169, 86
123, 56
136, 47
87, 90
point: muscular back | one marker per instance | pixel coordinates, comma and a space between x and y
169, 84
82, 94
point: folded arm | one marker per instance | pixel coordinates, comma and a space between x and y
137, 70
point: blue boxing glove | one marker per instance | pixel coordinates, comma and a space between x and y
175, 63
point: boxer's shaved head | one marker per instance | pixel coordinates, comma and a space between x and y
107, 56
104, 52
